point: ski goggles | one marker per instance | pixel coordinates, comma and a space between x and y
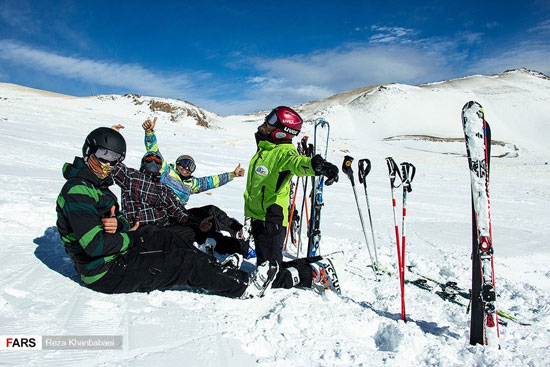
272, 118
187, 164
151, 158
107, 156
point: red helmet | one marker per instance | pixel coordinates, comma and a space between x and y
287, 122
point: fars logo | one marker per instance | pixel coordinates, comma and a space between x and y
262, 171
17, 342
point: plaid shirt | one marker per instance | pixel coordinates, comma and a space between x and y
146, 200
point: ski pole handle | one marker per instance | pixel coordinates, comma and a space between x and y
408, 171
321, 121
346, 168
310, 150
393, 171
364, 169
304, 145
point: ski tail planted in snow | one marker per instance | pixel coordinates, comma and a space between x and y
484, 318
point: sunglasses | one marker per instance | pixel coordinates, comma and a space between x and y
151, 158
187, 164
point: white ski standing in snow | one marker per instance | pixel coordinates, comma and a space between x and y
484, 320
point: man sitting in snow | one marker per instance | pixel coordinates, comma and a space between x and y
111, 257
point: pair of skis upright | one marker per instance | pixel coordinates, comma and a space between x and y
319, 146
484, 318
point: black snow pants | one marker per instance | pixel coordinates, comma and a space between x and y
162, 259
221, 222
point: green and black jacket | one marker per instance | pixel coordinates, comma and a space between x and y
83, 201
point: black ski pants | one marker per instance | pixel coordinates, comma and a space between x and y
224, 244
162, 259
269, 239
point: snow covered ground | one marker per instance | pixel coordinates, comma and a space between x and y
362, 327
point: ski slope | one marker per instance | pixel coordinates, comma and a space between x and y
362, 327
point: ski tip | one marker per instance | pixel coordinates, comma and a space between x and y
468, 105
471, 104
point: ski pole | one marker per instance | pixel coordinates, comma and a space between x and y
346, 168
304, 205
364, 166
292, 211
393, 172
407, 171
304, 150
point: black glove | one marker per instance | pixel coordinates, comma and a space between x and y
236, 226
324, 168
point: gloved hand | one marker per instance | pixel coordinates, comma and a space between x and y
324, 168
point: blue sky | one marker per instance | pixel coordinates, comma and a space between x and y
244, 56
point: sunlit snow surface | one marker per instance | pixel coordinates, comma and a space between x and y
39, 294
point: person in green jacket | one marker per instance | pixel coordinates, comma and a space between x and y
268, 188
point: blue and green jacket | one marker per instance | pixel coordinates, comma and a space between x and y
192, 185
84, 200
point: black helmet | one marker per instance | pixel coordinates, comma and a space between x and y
106, 138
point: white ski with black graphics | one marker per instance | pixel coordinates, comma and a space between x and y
484, 319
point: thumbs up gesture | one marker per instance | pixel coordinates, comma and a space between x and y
238, 172
110, 224
149, 125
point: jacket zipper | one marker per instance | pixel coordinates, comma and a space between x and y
263, 195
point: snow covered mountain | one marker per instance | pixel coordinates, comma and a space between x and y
418, 124
516, 103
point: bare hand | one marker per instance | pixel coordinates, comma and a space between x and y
149, 125
110, 224
206, 224
238, 172
117, 127
134, 227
